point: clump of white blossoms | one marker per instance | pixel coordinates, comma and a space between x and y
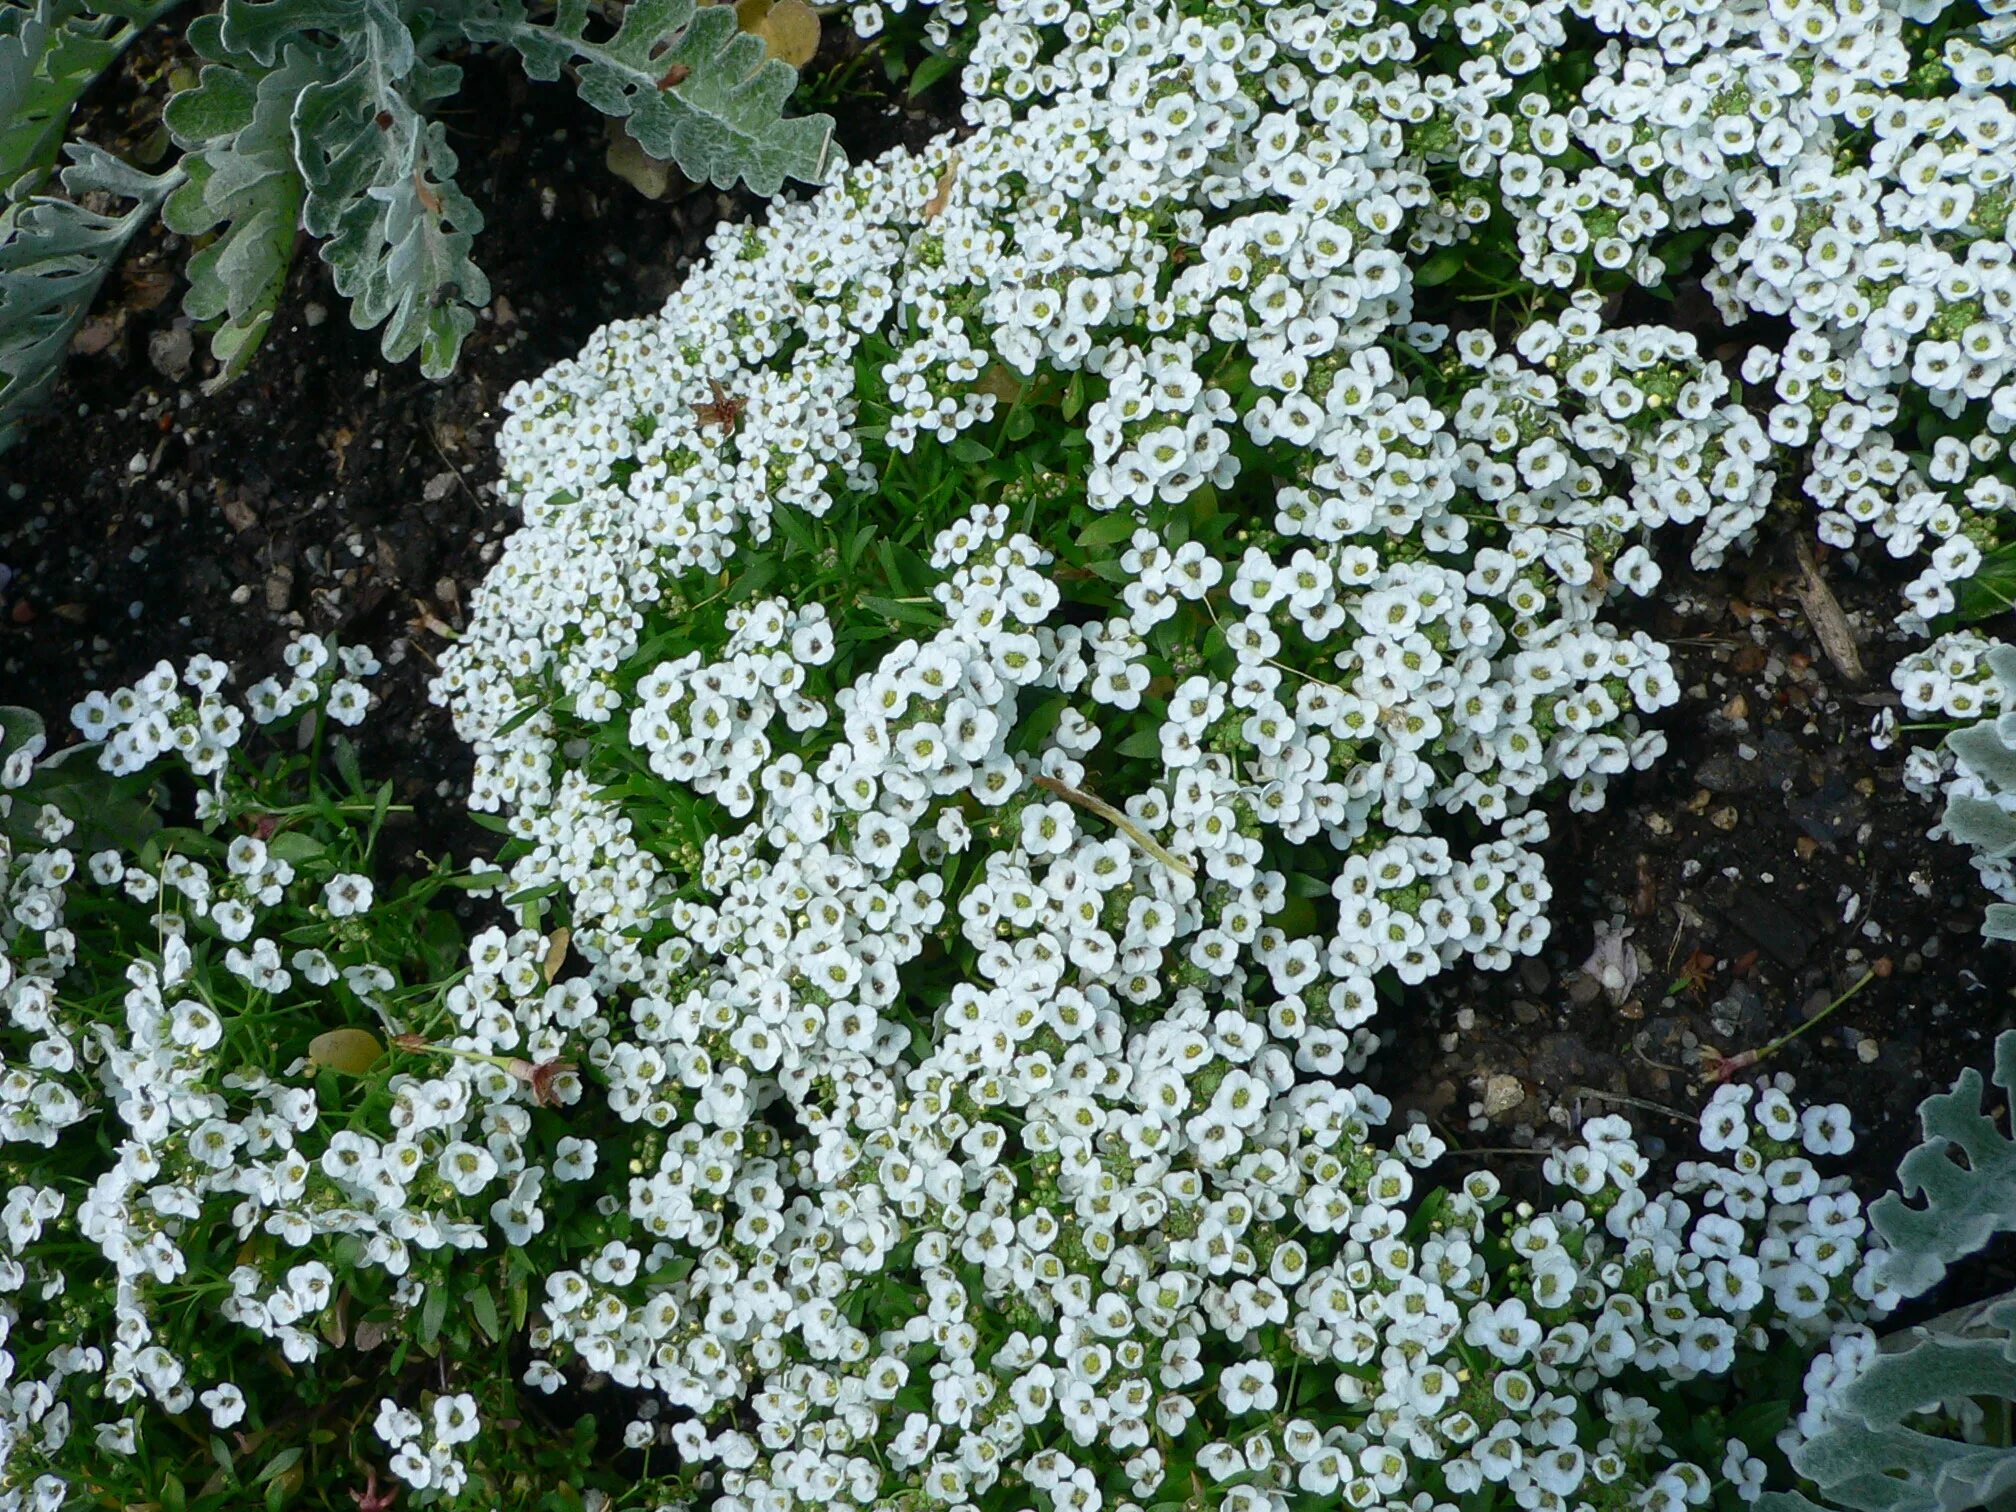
1847, 162
1072, 1247
998, 671
1064, 1261
1969, 681
1292, 572
172, 1142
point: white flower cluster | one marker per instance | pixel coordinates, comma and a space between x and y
1968, 678
202, 1136
1420, 631
428, 1460
1090, 1263
1851, 177
154, 716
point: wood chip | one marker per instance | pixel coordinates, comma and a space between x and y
941, 196
556, 953
1823, 613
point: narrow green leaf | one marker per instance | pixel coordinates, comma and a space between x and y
907, 614
930, 71
483, 1308
1440, 268
433, 1313
1992, 588
1110, 529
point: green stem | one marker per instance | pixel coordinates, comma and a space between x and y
302, 810
1749, 1058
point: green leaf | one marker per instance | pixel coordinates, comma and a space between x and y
54, 254
349, 766
1112, 571
971, 450
1110, 529
1074, 397
433, 1313
483, 1308
295, 847
18, 726
930, 71
695, 89
762, 572
279, 1465
348, 1052
902, 613
1992, 588
892, 569
1440, 268
1142, 744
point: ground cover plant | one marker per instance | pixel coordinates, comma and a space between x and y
1003, 689
316, 118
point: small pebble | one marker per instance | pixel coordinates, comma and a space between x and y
1502, 1094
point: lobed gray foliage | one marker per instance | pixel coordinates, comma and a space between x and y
54, 254
1870, 1455
1988, 750
313, 116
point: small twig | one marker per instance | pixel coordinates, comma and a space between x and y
1823, 613
1121, 822
1638, 1049
1635, 1102
441, 452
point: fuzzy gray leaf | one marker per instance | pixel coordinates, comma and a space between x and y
1870, 1459
1983, 825
54, 254
399, 229
236, 124
696, 90
1982, 748
1964, 1205
2001, 661
50, 54
48, 57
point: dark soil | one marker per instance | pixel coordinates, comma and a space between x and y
1768, 864
329, 490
